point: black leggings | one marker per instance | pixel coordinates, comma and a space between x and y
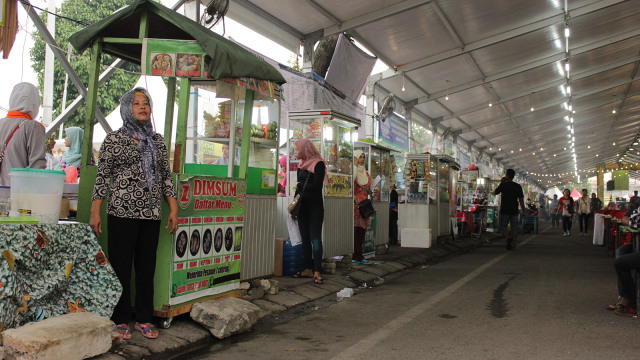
566, 223
624, 264
133, 241
584, 218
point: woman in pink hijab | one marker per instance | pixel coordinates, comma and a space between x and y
313, 170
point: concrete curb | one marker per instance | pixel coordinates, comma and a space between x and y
185, 335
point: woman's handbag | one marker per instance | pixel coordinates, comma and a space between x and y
294, 207
365, 207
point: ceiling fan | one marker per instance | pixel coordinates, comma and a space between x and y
386, 109
215, 11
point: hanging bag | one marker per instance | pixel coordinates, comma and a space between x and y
365, 207
294, 207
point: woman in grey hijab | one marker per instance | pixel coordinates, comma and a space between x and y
22, 140
133, 170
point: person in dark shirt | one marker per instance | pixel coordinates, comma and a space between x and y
311, 216
393, 216
626, 261
511, 195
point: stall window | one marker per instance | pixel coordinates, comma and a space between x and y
264, 133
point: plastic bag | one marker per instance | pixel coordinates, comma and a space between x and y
294, 231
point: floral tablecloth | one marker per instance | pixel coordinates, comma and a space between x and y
51, 270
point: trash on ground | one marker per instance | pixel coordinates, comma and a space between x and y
345, 293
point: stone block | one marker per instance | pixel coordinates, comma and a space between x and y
362, 276
71, 336
265, 284
375, 270
256, 293
389, 268
274, 288
287, 299
226, 317
339, 279
311, 291
397, 265
329, 268
269, 306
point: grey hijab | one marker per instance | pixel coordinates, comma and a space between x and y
142, 132
25, 98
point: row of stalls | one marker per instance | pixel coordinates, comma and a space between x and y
231, 132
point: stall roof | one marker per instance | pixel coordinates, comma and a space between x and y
510, 54
229, 59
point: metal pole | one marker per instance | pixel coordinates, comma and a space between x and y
49, 63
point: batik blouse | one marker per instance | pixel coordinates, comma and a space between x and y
120, 175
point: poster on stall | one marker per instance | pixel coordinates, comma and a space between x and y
369, 243
339, 185
172, 58
621, 178
395, 131
207, 247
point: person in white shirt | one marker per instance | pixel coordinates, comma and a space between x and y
584, 211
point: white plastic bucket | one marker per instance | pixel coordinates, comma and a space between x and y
38, 192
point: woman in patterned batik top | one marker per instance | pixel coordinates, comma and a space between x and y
133, 170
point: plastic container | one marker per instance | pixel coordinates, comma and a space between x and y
38, 193
292, 259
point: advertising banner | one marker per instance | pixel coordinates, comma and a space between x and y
395, 132
621, 178
172, 58
339, 185
207, 247
369, 243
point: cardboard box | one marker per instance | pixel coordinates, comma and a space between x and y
277, 262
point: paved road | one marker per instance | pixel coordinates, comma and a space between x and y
545, 300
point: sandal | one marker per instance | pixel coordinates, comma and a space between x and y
123, 330
617, 306
147, 330
299, 275
318, 280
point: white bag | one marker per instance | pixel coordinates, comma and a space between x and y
294, 231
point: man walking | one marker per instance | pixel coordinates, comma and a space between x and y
511, 195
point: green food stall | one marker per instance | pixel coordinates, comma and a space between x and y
203, 258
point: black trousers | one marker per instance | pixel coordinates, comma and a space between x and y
566, 223
624, 264
133, 241
584, 219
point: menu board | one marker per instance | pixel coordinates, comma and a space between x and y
207, 247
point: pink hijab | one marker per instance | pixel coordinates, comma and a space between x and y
309, 157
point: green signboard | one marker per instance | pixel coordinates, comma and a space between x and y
369, 243
207, 247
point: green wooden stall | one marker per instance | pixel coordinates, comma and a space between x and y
208, 200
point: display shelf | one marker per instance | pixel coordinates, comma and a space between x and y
269, 142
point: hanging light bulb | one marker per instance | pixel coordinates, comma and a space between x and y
403, 89
614, 110
566, 66
531, 101
447, 96
567, 32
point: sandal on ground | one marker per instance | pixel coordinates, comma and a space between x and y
617, 306
123, 330
626, 311
299, 275
147, 330
318, 280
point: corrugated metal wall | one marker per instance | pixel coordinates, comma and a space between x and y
338, 226
258, 240
337, 236
382, 222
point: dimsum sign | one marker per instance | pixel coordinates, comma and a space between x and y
211, 194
